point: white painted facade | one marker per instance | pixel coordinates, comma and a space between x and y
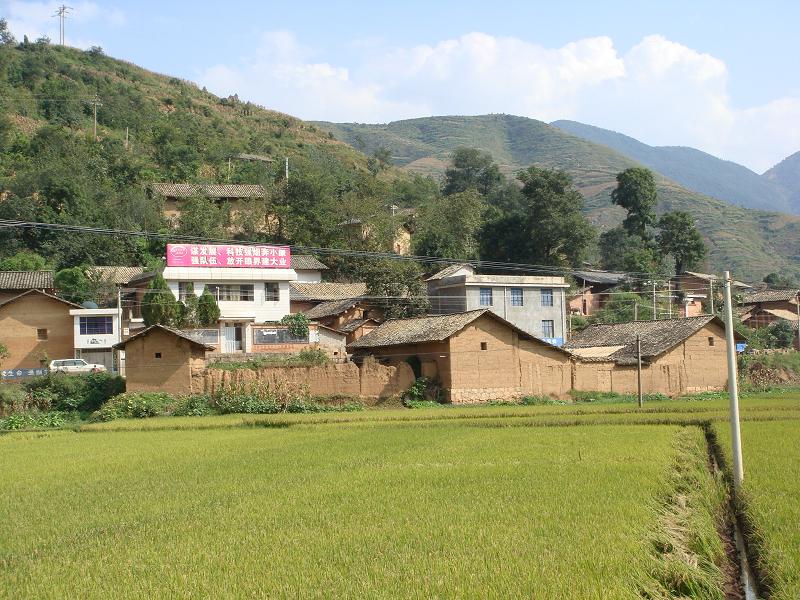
93, 341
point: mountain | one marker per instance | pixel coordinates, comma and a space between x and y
750, 243
787, 175
694, 169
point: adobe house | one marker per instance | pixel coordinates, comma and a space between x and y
592, 292
764, 307
230, 195
36, 327
679, 356
13, 283
162, 359
476, 356
696, 288
350, 316
306, 295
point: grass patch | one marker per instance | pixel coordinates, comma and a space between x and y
613, 397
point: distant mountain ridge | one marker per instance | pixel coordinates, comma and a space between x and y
697, 170
787, 174
748, 242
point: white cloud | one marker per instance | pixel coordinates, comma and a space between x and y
35, 19
659, 91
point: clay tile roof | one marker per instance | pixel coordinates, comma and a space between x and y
115, 274
769, 296
210, 190
171, 330
326, 291
600, 277
449, 270
351, 326
656, 337
331, 308
33, 291
712, 277
26, 280
306, 262
432, 328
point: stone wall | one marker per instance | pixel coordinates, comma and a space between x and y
370, 381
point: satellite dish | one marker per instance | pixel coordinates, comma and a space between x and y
89, 304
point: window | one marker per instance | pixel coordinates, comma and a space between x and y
232, 293
96, 325
548, 329
711, 340
516, 296
272, 291
547, 297
484, 346
183, 291
41, 335
158, 354
486, 296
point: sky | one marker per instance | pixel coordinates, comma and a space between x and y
720, 76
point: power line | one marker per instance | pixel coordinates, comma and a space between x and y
61, 13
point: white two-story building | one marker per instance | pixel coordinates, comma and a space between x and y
96, 330
250, 284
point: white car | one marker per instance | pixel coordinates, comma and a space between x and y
74, 366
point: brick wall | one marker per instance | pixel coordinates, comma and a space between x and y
19, 322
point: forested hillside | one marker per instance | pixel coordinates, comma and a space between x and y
748, 242
52, 169
787, 175
698, 171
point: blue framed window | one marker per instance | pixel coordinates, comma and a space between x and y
516, 297
547, 297
486, 296
96, 325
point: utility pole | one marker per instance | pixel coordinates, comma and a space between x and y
287, 168
635, 311
95, 102
711, 294
669, 299
126, 138
797, 298
733, 390
655, 306
639, 370
61, 13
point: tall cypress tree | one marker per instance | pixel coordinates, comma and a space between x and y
159, 306
207, 309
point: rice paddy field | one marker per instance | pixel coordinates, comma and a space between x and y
590, 501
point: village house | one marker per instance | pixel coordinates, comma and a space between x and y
351, 316
762, 308
679, 356
700, 292
535, 304
96, 331
162, 359
35, 327
475, 356
232, 196
592, 292
306, 295
13, 283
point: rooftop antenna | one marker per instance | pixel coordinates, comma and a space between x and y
61, 13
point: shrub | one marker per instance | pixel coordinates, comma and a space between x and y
74, 392
34, 420
12, 398
134, 405
313, 356
196, 405
255, 398
421, 390
539, 401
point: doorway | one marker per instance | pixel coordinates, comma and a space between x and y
232, 335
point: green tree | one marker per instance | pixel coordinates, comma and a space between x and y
159, 306
207, 309
449, 226
396, 286
546, 226
780, 334
190, 306
636, 193
679, 238
73, 285
23, 261
623, 251
471, 168
622, 307
778, 281
201, 217
6, 37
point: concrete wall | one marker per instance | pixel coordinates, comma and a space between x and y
19, 322
370, 381
171, 372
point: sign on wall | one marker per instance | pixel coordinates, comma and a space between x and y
20, 373
228, 255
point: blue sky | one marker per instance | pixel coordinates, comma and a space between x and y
720, 76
